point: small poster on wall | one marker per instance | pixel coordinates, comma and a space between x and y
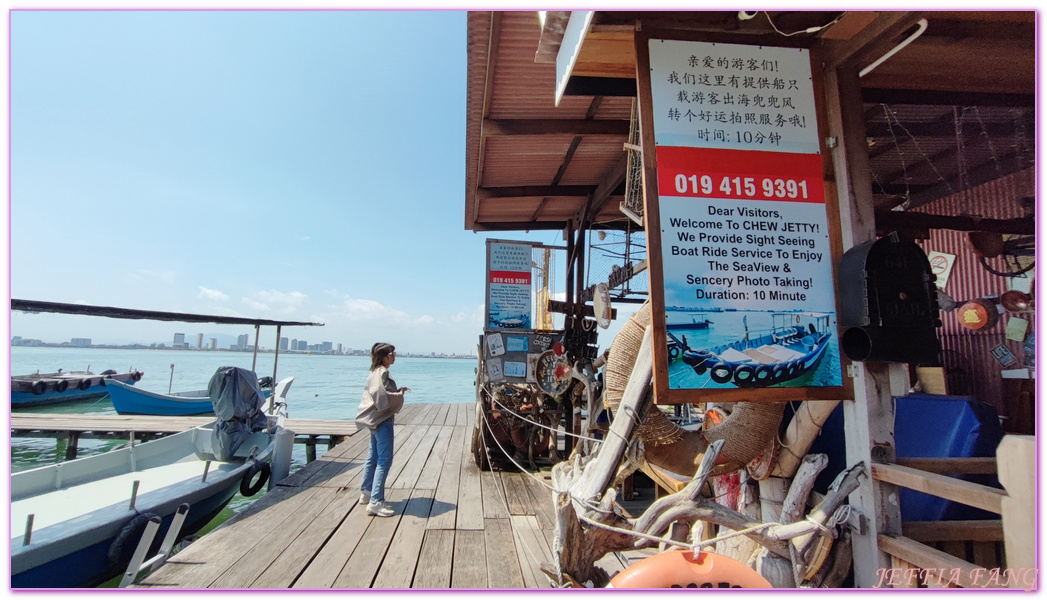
508, 285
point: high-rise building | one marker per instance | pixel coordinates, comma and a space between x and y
179, 340
303, 345
80, 342
241, 342
283, 343
326, 347
212, 344
199, 341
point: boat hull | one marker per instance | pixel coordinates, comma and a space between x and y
128, 400
54, 388
80, 507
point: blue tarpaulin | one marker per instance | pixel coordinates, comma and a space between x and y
926, 426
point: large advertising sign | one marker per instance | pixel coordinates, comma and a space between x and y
745, 252
508, 285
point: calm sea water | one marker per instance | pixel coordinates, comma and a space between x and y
325, 386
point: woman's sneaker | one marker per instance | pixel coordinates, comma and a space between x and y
365, 498
380, 509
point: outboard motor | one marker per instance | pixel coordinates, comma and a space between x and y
238, 403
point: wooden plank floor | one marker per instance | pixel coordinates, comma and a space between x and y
456, 527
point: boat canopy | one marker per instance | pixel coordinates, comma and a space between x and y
238, 403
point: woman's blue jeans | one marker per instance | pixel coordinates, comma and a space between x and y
379, 460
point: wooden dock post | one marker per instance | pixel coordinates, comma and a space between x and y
72, 441
310, 449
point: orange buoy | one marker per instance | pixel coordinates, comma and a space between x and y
679, 569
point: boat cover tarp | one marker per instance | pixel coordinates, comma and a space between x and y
238, 403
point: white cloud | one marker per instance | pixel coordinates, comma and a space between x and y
255, 305
358, 309
209, 294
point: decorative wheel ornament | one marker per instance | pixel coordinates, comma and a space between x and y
552, 372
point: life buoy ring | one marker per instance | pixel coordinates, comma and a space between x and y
39, 387
778, 372
61, 385
246, 488
125, 542
674, 351
720, 372
743, 374
679, 569
83, 384
764, 375
136, 376
792, 370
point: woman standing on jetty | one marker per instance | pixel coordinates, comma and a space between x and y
381, 400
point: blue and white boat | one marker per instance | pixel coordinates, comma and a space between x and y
51, 388
77, 523
129, 400
793, 346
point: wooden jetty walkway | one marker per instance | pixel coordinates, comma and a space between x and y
73, 428
455, 527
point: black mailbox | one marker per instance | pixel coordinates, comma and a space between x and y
889, 303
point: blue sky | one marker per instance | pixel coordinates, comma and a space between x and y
304, 166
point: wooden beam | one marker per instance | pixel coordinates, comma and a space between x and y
953, 531
957, 490
956, 466
870, 43
869, 420
493, 40
552, 35
539, 191
894, 219
947, 98
593, 127
945, 566
602, 193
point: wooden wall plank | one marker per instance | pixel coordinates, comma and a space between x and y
503, 564
944, 531
434, 562
942, 486
1017, 460
926, 557
470, 566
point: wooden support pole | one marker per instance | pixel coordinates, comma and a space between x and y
869, 420
71, 445
334, 440
1017, 465
310, 449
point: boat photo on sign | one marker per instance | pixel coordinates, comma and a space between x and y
742, 216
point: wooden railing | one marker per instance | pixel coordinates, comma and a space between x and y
914, 563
